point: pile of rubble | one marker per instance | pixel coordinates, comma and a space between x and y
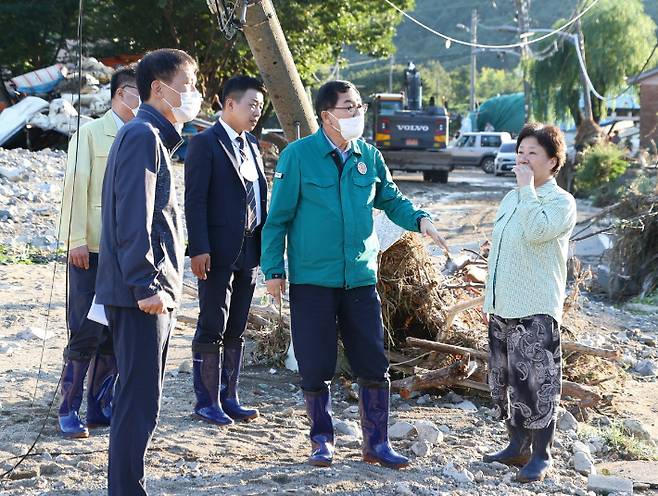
30, 195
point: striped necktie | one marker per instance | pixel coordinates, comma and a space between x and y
249, 187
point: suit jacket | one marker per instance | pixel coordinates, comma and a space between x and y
215, 196
84, 183
142, 249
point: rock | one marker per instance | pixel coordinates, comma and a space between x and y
34, 333
479, 476
347, 428
606, 484
581, 447
89, 467
26, 473
403, 489
641, 307
51, 468
458, 473
567, 422
421, 448
466, 406
646, 367
636, 429
452, 397
11, 173
185, 367
428, 431
583, 463
423, 400
500, 467
401, 430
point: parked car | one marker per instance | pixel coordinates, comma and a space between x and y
505, 158
478, 149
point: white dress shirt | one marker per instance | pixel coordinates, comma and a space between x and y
250, 158
118, 120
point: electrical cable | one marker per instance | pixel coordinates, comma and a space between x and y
21, 458
481, 45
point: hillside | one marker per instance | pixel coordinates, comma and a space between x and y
414, 43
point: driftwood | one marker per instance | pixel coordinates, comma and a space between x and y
568, 346
447, 348
572, 346
430, 379
587, 396
453, 311
259, 317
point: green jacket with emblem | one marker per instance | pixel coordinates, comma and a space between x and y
327, 219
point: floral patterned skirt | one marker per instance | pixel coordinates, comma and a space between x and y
525, 369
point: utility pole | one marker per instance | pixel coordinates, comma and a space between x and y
474, 40
523, 19
277, 68
587, 98
390, 74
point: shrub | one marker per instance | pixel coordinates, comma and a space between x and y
601, 164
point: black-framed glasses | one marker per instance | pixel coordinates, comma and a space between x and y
351, 109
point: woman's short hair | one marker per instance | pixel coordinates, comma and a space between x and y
550, 138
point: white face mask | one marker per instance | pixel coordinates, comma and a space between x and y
190, 104
352, 127
139, 102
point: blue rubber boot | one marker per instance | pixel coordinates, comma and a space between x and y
541, 459
73, 378
517, 452
230, 379
374, 410
101, 379
206, 387
318, 409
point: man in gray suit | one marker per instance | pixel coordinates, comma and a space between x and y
140, 269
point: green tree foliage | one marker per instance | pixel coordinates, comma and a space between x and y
618, 38
316, 30
32, 32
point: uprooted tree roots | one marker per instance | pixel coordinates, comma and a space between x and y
410, 287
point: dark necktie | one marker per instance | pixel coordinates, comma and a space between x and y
251, 196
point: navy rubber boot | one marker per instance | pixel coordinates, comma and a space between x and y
206, 387
517, 452
73, 378
101, 379
541, 459
230, 379
374, 410
318, 409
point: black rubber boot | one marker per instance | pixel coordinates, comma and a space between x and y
517, 452
228, 394
72, 383
541, 459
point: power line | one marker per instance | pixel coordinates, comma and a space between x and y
480, 45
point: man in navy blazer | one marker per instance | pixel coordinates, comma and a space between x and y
225, 209
140, 268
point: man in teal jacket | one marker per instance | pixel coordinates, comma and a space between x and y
325, 188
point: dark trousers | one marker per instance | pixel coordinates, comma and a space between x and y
140, 345
319, 314
224, 300
525, 369
86, 336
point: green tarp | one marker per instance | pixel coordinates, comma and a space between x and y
504, 113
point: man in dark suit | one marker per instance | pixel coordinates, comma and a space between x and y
140, 269
225, 208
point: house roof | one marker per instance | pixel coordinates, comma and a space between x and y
645, 75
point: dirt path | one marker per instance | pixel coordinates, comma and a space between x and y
266, 456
